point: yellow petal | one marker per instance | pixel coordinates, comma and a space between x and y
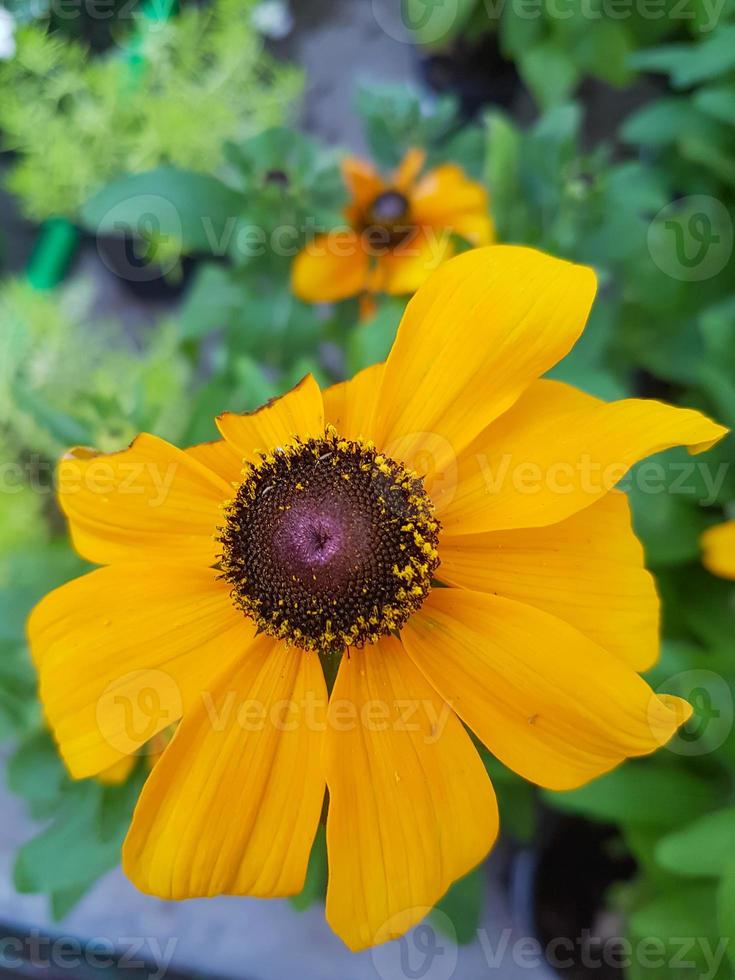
149, 500
407, 266
298, 413
363, 181
474, 337
718, 544
477, 229
349, 406
220, 457
447, 198
410, 805
122, 650
549, 703
118, 773
234, 802
332, 267
556, 452
588, 570
409, 169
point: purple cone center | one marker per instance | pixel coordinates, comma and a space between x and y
313, 538
321, 539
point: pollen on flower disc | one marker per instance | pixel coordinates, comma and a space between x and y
329, 543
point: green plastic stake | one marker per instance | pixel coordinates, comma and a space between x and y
52, 254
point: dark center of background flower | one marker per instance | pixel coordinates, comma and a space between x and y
328, 544
388, 208
277, 178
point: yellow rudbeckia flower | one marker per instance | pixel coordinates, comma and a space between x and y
399, 231
442, 533
718, 544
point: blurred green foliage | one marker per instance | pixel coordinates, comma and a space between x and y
555, 45
67, 377
173, 92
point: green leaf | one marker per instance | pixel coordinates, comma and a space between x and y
209, 401
717, 101
726, 904
315, 884
595, 381
504, 144
253, 387
194, 210
697, 850
703, 602
69, 853
664, 121
604, 51
210, 303
371, 341
463, 905
60, 425
65, 899
36, 773
435, 24
300, 368
670, 525
19, 709
549, 73
82, 842
518, 33
691, 63
689, 910
24, 579
517, 799
396, 117
643, 793
117, 804
468, 147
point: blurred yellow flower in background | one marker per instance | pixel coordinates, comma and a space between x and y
400, 230
718, 544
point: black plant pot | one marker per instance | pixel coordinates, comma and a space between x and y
559, 894
35, 954
473, 71
124, 257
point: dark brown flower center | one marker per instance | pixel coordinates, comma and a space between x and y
388, 208
387, 224
328, 543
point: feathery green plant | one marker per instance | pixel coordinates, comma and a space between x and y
77, 122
